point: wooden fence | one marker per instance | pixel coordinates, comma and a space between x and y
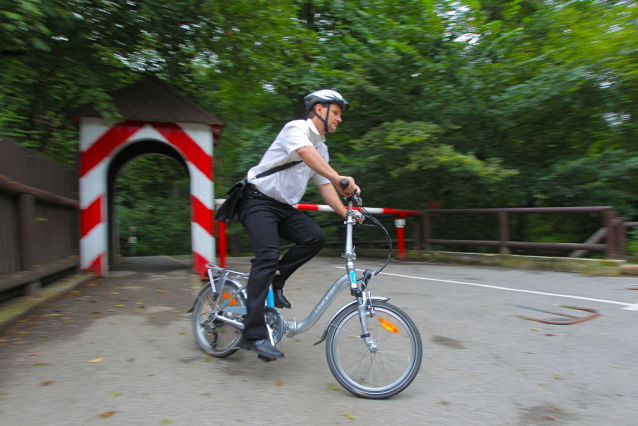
39, 218
613, 230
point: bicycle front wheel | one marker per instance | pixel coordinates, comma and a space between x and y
383, 369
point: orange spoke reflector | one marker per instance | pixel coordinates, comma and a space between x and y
388, 325
227, 296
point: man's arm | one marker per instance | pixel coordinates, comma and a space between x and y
331, 198
316, 162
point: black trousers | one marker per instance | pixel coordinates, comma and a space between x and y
266, 220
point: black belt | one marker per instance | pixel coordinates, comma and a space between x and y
252, 190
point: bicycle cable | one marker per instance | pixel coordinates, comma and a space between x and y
387, 235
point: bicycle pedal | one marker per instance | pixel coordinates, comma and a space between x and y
265, 358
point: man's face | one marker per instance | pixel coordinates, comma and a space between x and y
334, 116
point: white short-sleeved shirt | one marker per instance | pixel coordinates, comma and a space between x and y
289, 185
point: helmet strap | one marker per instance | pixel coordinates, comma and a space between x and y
325, 120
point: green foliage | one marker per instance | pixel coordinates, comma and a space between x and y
632, 244
406, 164
475, 103
152, 194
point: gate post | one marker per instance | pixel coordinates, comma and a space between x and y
400, 225
223, 243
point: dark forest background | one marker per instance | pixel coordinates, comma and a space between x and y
492, 103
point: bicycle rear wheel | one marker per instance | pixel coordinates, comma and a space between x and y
383, 370
217, 338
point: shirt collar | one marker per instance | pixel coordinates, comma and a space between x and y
317, 138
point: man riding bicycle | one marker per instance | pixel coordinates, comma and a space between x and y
267, 210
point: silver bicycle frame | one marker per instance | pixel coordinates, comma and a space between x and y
349, 279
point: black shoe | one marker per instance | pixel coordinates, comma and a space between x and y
263, 348
280, 299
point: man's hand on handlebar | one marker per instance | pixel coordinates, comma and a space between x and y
350, 189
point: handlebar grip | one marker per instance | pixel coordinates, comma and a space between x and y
344, 184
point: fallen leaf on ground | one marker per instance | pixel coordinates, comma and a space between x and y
182, 332
166, 422
106, 414
42, 364
139, 309
350, 416
120, 306
279, 383
145, 393
112, 310
97, 360
47, 382
115, 292
139, 303
557, 377
207, 358
175, 312
332, 387
130, 360
97, 313
115, 395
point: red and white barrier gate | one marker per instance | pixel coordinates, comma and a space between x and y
399, 223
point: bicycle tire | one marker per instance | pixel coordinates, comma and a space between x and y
216, 338
374, 374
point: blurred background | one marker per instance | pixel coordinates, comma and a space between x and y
465, 104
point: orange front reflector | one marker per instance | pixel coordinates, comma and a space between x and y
388, 325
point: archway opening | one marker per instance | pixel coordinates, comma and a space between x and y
148, 202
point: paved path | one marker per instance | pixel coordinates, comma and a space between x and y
482, 364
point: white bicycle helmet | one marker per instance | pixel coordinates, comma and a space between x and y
329, 97
325, 96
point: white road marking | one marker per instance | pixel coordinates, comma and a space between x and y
627, 306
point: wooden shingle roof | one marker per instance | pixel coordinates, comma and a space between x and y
152, 99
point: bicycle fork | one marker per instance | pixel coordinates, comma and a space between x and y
362, 304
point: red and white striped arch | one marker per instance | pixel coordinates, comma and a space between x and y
100, 141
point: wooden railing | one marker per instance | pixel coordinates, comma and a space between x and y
613, 247
39, 229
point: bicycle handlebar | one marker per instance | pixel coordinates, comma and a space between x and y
355, 195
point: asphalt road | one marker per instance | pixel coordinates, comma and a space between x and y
482, 364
